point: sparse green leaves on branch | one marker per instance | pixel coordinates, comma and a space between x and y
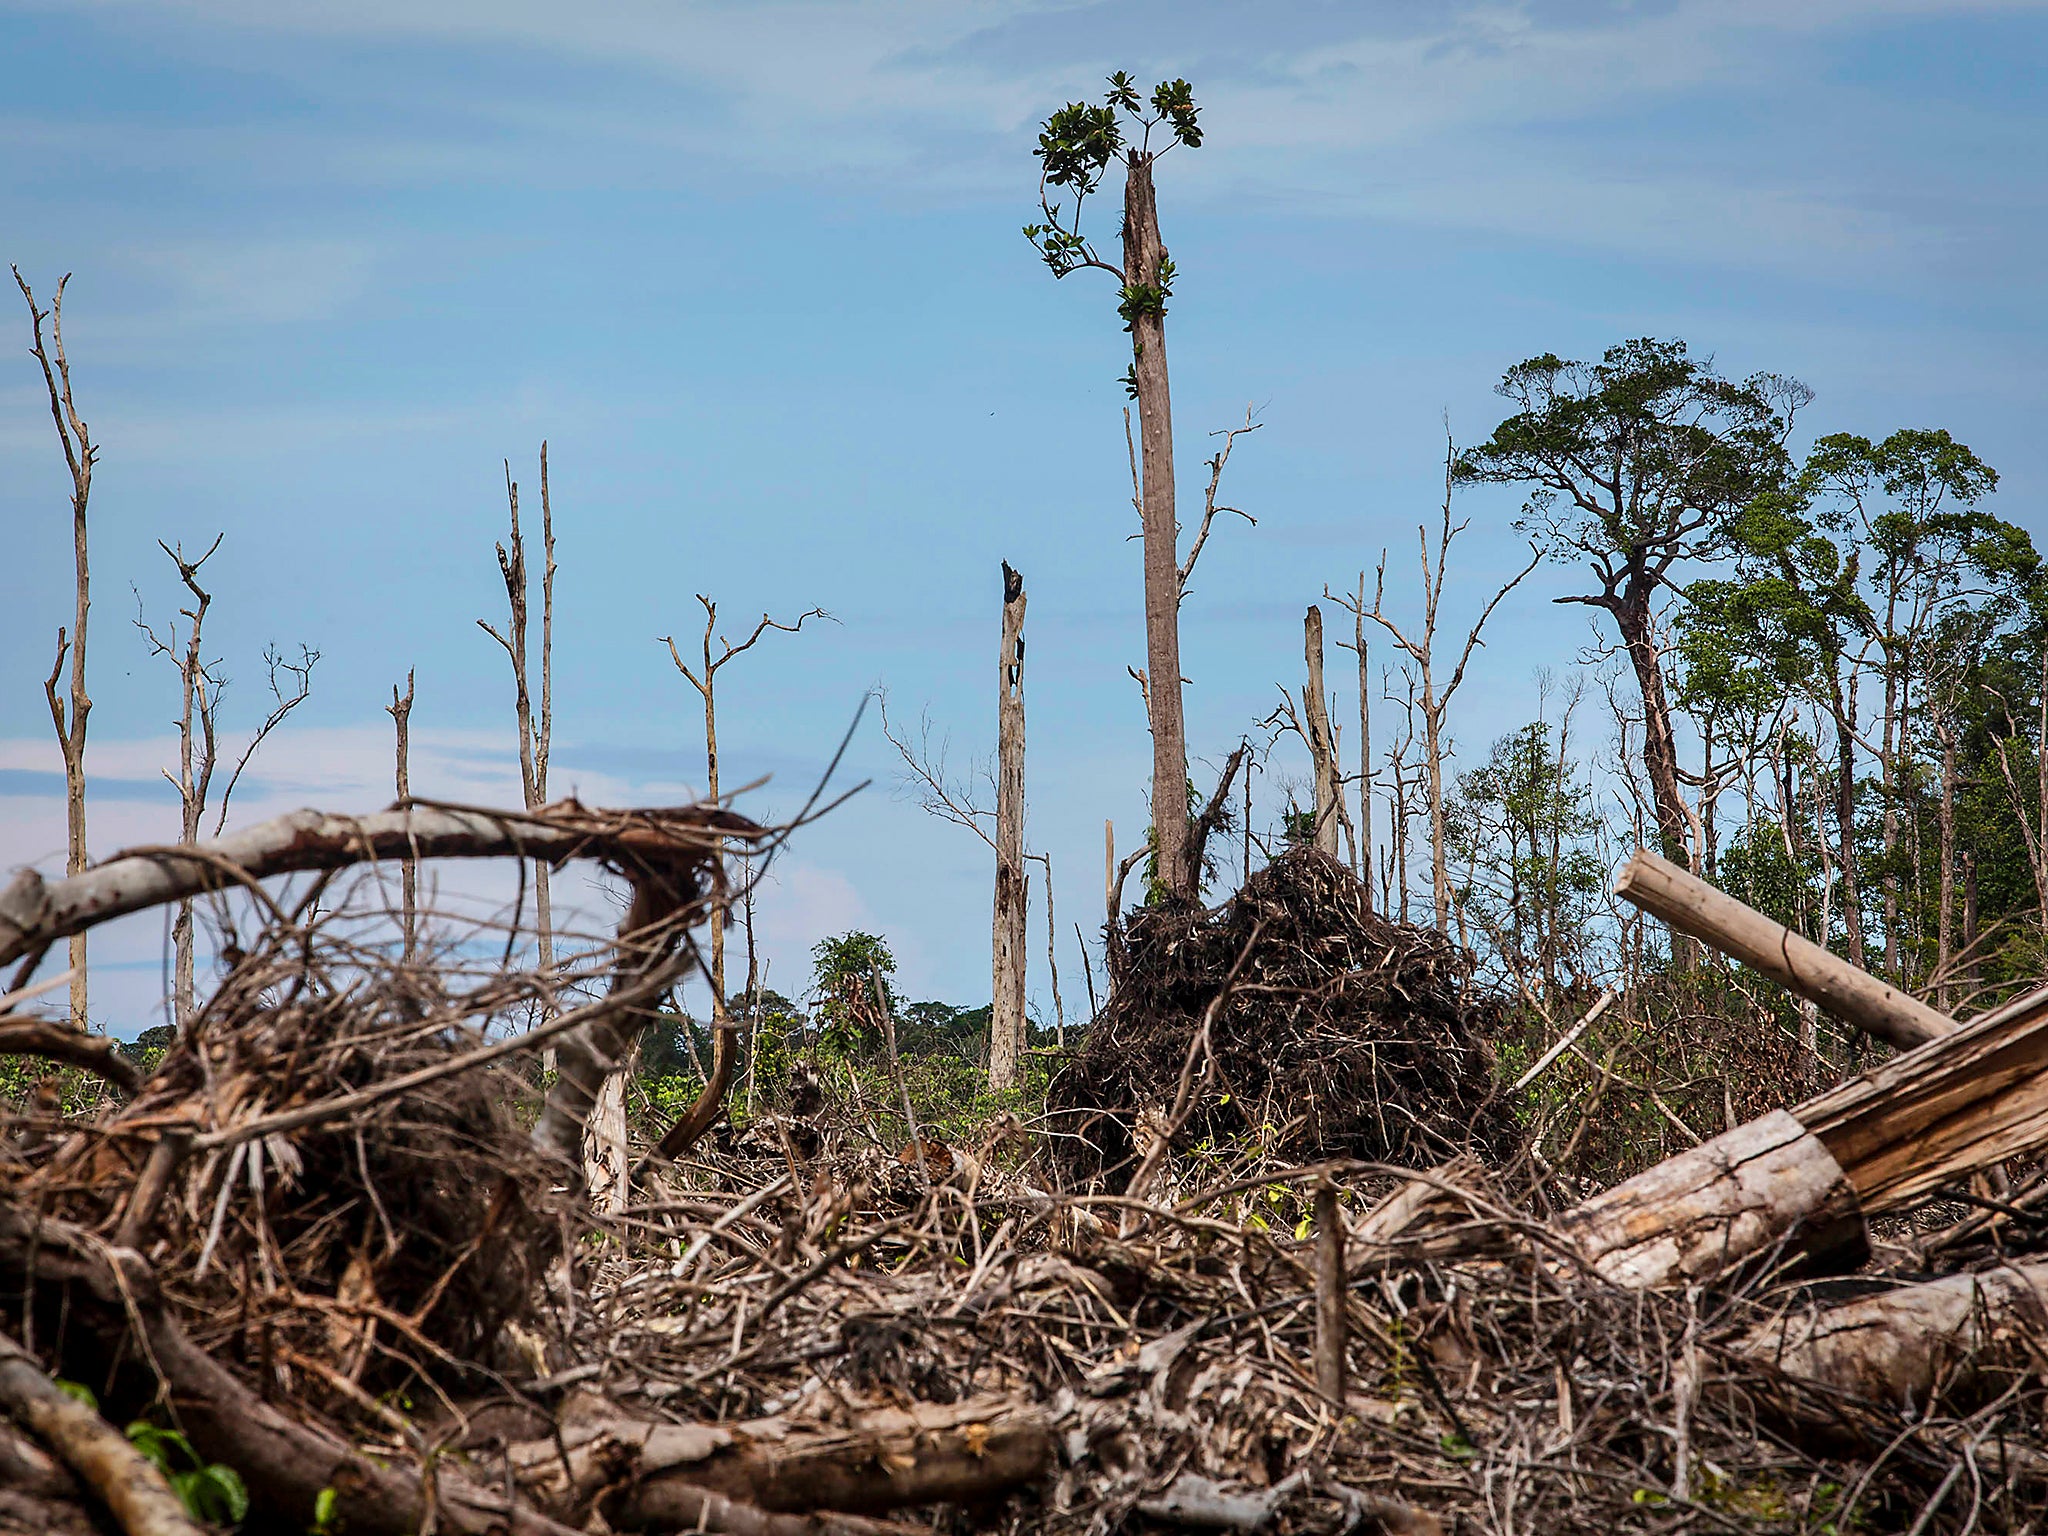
1075, 146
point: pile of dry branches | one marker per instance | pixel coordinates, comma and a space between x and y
1323, 1030
339, 1247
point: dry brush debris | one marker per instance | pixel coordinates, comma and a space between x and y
334, 1241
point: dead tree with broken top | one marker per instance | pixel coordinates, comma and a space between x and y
1363, 653
1007, 958
536, 733
68, 713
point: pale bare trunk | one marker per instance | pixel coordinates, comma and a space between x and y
1439, 865
1143, 256
1007, 938
1322, 746
1845, 820
1945, 898
80, 454
1365, 868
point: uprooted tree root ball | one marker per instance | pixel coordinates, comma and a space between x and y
1338, 1034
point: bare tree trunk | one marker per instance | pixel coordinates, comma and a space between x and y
533, 745
1365, 870
1322, 747
1945, 897
705, 680
80, 455
400, 711
1144, 256
198, 708
1845, 821
1007, 939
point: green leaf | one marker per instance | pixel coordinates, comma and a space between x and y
78, 1391
325, 1504
214, 1494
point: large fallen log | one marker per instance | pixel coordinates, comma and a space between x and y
99, 1455
1904, 1344
645, 1475
1798, 964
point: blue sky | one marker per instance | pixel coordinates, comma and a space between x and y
755, 272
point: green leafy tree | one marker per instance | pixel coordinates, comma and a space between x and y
1871, 567
1522, 824
1074, 150
1639, 463
843, 974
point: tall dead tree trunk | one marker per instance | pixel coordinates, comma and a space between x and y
1322, 747
534, 736
1365, 775
400, 711
69, 715
1007, 939
1144, 261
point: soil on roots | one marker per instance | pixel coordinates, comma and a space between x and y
1343, 1035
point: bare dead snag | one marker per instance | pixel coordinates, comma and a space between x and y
1363, 652
1322, 743
119, 1475
68, 715
1419, 645
535, 737
704, 678
1006, 948
400, 710
1854, 996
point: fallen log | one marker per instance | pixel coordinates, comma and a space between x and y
1961, 1100
35, 913
1798, 964
1709, 1207
1907, 1344
99, 1455
1808, 1177
60, 1042
644, 1475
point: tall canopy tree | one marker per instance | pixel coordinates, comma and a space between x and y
1074, 149
1851, 574
1639, 462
